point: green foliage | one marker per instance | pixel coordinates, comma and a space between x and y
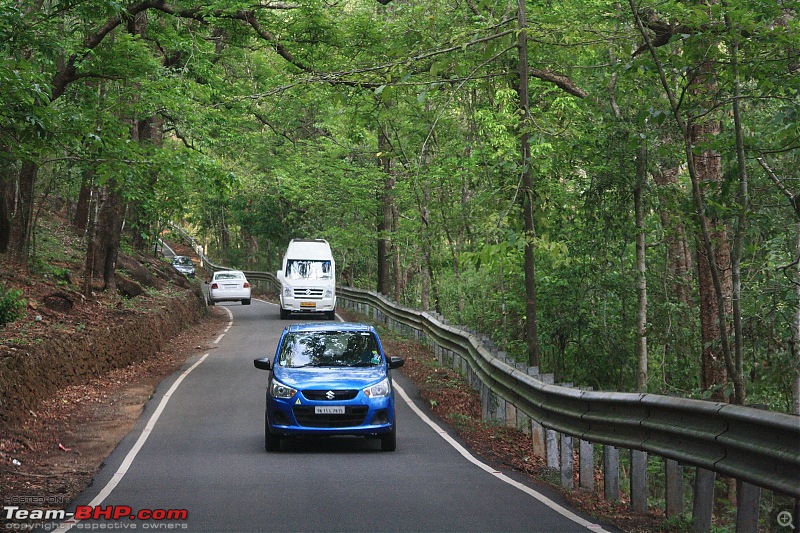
268, 136
12, 305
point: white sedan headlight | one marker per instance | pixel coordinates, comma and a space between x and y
279, 390
379, 390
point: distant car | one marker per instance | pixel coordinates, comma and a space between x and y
184, 265
329, 379
229, 286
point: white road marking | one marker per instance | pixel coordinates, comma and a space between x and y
230, 323
126, 463
566, 513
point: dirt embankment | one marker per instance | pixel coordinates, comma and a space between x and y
64, 338
34, 371
75, 372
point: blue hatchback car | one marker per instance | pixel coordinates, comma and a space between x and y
329, 379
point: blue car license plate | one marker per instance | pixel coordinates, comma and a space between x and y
329, 409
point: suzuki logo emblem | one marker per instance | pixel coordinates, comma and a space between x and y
330, 395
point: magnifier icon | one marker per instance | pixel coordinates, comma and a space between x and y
785, 519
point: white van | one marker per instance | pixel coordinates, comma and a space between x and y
308, 279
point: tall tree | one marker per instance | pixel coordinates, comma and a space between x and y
700, 129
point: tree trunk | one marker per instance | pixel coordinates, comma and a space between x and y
712, 253
795, 347
91, 230
81, 219
7, 189
22, 214
679, 255
107, 235
399, 279
531, 334
641, 269
743, 199
705, 171
114, 232
384, 219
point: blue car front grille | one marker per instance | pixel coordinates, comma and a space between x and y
353, 416
330, 395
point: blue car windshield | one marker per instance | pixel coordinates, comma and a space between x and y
329, 348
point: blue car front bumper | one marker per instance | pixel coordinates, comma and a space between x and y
298, 417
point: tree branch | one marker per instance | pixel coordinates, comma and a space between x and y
68, 73
794, 199
561, 81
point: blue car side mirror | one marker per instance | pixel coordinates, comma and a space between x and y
263, 363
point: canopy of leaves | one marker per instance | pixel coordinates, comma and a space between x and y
269, 118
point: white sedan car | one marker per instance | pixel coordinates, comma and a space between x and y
229, 286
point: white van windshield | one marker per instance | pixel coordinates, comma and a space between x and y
308, 269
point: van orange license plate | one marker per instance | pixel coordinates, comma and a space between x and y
308, 304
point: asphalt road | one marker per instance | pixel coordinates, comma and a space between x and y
198, 449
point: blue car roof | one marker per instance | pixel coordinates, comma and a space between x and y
330, 326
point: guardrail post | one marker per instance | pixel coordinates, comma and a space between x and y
511, 414
639, 481
747, 507
551, 436
586, 468
611, 473
673, 473
483, 394
567, 468
497, 407
586, 457
523, 421
567, 457
463, 366
537, 435
703, 507
536, 429
551, 440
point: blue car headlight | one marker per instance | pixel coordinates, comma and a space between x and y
379, 390
279, 390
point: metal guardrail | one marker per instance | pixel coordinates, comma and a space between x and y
251, 275
757, 446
